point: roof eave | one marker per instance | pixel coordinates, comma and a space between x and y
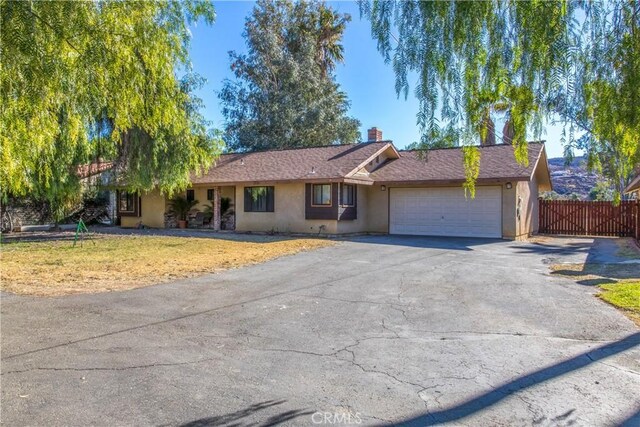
283, 181
633, 186
543, 152
358, 181
440, 182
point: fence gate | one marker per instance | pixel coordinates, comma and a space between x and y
583, 218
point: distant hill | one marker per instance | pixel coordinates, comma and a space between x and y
573, 178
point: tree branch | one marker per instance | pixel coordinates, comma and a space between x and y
54, 29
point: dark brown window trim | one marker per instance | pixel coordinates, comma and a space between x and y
137, 201
353, 195
324, 211
348, 212
322, 205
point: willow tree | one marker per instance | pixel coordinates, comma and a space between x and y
528, 58
86, 79
601, 99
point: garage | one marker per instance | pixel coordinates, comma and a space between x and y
445, 211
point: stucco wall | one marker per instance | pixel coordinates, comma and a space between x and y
200, 194
534, 194
528, 193
525, 224
229, 192
509, 223
289, 211
288, 215
372, 216
377, 209
527, 196
153, 208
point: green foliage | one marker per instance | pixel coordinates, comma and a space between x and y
285, 94
82, 80
208, 211
180, 206
550, 195
602, 192
524, 59
602, 97
471, 155
472, 57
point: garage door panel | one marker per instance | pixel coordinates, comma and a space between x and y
446, 212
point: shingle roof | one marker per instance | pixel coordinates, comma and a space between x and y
497, 162
633, 185
313, 163
335, 162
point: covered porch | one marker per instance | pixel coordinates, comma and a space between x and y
214, 209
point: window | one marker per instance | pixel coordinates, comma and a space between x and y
348, 195
258, 199
321, 195
210, 194
127, 203
191, 195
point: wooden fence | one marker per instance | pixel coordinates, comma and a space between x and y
583, 218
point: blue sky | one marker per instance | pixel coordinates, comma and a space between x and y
367, 80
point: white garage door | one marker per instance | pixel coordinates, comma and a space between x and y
444, 211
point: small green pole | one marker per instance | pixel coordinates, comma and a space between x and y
75, 238
81, 230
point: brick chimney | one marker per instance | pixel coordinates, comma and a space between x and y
374, 134
507, 132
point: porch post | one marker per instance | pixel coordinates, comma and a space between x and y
216, 209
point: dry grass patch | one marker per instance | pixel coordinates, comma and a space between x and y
116, 263
597, 271
541, 239
619, 283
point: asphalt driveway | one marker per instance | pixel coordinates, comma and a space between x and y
375, 330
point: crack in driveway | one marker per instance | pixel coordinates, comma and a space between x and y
116, 368
350, 349
235, 304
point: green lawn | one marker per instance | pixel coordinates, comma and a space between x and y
624, 295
